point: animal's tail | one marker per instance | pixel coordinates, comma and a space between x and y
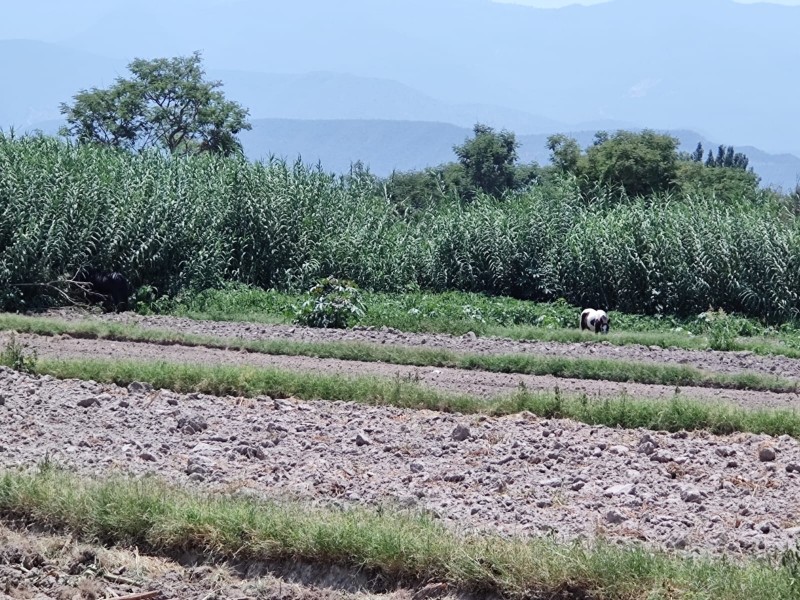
584, 314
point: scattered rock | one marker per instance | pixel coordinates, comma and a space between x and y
662, 456
615, 516
792, 531
552, 482
620, 489
199, 465
251, 451
691, 494
203, 448
648, 438
191, 425
766, 454
460, 433
138, 387
677, 541
646, 448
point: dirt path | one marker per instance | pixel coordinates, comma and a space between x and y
707, 360
476, 383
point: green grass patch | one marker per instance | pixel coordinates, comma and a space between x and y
405, 547
528, 364
676, 414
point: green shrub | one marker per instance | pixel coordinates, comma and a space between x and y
332, 303
720, 328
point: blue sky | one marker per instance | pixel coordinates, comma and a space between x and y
561, 3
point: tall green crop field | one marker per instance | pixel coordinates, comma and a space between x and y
195, 223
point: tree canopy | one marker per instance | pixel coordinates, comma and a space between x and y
565, 153
641, 163
166, 104
488, 159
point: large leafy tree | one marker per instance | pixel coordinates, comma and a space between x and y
726, 183
641, 163
488, 159
565, 153
166, 103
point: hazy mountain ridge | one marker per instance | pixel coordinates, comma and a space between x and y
662, 63
61, 72
373, 80
385, 146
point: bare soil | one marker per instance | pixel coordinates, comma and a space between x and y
475, 383
517, 475
706, 360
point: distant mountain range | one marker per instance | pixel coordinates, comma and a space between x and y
60, 72
723, 68
396, 83
385, 146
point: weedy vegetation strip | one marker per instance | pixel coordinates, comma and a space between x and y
526, 364
457, 313
675, 414
407, 548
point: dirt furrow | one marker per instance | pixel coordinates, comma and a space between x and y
712, 361
476, 383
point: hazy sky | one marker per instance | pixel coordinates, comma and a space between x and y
560, 3
55, 19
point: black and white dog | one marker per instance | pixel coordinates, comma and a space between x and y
110, 288
595, 320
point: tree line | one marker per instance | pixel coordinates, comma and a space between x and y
169, 105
